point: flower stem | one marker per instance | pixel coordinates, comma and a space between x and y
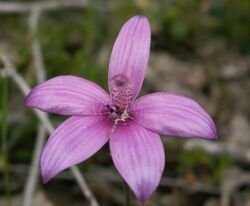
127, 194
4, 134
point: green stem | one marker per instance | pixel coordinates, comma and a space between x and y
4, 134
127, 195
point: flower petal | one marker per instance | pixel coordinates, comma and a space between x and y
68, 95
138, 154
74, 141
130, 53
173, 115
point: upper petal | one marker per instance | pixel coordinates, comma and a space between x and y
130, 53
68, 95
138, 154
171, 114
72, 142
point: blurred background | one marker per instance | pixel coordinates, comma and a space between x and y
200, 48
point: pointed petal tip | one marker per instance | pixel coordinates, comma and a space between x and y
213, 135
45, 179
209, 134
143, 198
28, 103
27, 100
143, 194
209, 137
140, 17
45, 174
143, 19
137, 20
142, 201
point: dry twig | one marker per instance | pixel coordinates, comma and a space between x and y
230, 185
32, 177
237, 154
8, 66
100, 174
33, 173
19, 7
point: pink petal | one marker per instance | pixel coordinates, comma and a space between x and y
74, 141
138, 154
173, 115
68, 95
130, 53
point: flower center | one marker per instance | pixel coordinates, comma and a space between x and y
121, 90
117, 114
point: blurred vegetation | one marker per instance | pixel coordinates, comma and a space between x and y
190, 23
196, 163
75, 42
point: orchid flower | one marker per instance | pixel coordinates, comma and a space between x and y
132, 126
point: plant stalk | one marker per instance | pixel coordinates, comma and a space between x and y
127, 194
4, 135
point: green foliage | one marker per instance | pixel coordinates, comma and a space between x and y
198, 163
14, 37
188, 23
235, 23
71, 46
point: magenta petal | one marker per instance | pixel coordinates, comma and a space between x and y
68, 95
173, 115
138, 154
130, 53
74, 141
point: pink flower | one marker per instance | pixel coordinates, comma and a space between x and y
131, 126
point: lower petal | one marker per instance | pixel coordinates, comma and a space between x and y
74, 141
138, 154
